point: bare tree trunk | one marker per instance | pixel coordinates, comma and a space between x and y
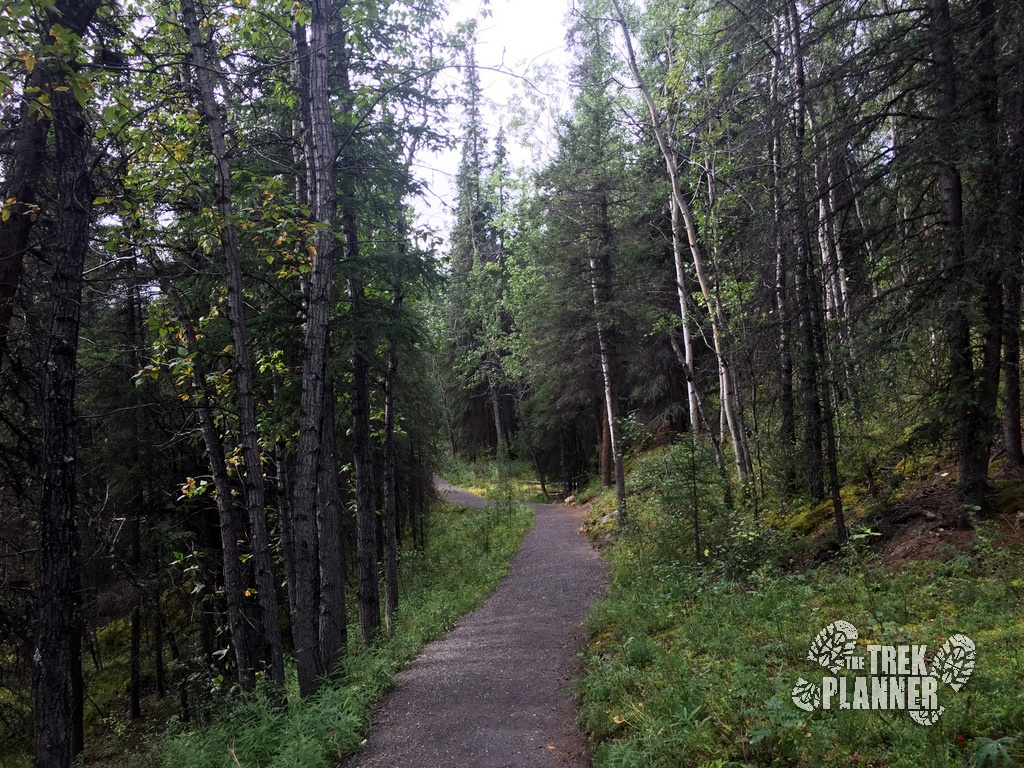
681, 293
368, 586
499, 429
284, 514
333, 628
135, 650
390, 479
1013, 228
601, 288
606, 447
971, 391
56, 561
368, 594
322, 175
806, 291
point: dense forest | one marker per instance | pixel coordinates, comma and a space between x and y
769, 277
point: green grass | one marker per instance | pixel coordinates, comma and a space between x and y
694, 666
467, 553
512, 481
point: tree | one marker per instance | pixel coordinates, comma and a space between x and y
56, 630
243, 368
314, 97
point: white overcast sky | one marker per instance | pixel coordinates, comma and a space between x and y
518, 39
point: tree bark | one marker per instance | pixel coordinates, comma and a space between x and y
601, 289
390, 475
691, 378
26, 165
333, 624
322, 174
135, 650
606, 448
368, 594
53, 660
806, 290
1013, 227
971, 391
24, 173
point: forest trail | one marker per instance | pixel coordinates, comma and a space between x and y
494, 692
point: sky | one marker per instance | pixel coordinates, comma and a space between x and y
516, 41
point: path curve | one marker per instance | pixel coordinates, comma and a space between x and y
494, 692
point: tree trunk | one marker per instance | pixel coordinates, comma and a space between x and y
601, 288
135, 651
368, 594
390, 478
26, 165
24, 173
1013, 228
234, 585
969, 392
806, 289
606, 448
255, 490
499, 429
322, 174
53, 660
333, 623
284, 514
684, 298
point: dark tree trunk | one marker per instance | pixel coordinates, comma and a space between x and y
158, 650
787, 430
1013, 227
322, 175
333, 626
23, 174
806, 289
816, 390
972, 392
77, 672
135, 651
284, 515
367, 522
53, 660
390, 476
368, 593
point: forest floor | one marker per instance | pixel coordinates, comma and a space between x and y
496, 690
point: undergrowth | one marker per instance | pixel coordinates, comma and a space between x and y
467, 552
692, 664
512, 481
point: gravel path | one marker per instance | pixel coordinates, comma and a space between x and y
494, 692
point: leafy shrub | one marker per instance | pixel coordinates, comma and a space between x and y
468, 551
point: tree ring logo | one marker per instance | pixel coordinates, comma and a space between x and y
892, 677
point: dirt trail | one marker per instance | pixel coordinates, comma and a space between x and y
494, 692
